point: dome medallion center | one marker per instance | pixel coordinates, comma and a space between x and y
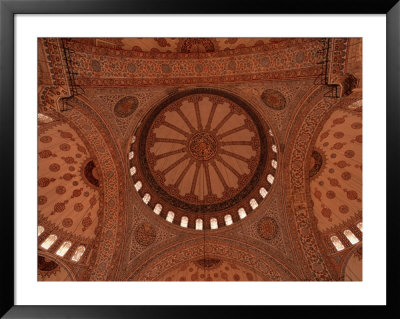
202, 146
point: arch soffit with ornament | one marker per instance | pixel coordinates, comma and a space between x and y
86, 118
168, 257
299, 214
307, 124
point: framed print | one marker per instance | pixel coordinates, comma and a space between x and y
166, 155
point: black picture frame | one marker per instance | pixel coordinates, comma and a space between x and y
8, 10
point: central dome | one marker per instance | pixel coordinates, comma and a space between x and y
203, 154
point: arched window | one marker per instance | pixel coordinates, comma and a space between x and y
214, 223
64, 248
184, 221
78, 253
337, 243
44, 118
351, 237
253, 203
274, 149
130, 155
157, 209
228, 220
359, 225
40, 230
138, 185
146, 198
242, 213
199, 224
270, 178
49, 242
133, 170
170, 216
274, 163
263, 192
133, 139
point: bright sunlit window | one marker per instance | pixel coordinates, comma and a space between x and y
242, 213
157, 209
199, 224
138, 185
351, 237
228, 220
146, 198
49, 241
40, 230
184, 221
78, 253
263, 192
64, 248
253, 203
170, 216
213, 223
337, 243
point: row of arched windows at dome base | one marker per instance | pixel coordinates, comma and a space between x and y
241, 211
349, 235
63, 249
199, 222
